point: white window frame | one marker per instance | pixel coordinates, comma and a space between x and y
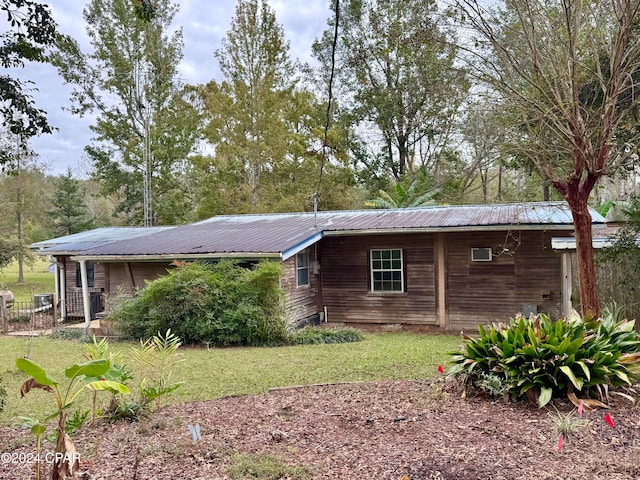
484, 249
302, 267
381, 267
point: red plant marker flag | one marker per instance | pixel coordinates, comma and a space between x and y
560, 442
609, 420
440, 369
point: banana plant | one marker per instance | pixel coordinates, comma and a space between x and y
88, 376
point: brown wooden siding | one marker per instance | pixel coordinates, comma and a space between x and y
302, 301
528, 272
70, 275
345, 280
126, 278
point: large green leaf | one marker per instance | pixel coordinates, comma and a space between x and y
585, 369
544, 397
36, 371
574, 346
94, 368
111, 386
621, 375
577, 381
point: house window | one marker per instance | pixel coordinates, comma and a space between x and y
387, 271
90, 269
302, 268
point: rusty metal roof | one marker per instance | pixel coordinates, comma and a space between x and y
283, 235
79, 242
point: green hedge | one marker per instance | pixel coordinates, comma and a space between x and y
221, 304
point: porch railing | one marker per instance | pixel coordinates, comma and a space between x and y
75, 305
38, 314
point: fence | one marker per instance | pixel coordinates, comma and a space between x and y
27, 316
610, 290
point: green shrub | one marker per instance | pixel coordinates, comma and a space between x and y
540, 358
316, 336
73, 333
221, 304
20, 318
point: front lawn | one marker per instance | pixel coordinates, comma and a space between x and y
37, 280
210, 374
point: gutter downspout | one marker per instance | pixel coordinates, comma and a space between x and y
85, 294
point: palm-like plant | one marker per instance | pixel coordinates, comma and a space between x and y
404, 198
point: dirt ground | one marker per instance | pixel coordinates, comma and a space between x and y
407, 430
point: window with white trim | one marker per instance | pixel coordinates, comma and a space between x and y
387, 273
90, 274
302, 268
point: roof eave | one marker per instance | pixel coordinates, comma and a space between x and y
570, 243
307, 242
177, 256
476, 228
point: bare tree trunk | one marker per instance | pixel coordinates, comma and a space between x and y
584, 252
20, 267
19, 207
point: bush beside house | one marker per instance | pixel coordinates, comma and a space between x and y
221, 304
541, 358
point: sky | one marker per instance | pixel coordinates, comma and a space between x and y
204, 24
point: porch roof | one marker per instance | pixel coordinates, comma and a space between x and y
79, 242
283, 235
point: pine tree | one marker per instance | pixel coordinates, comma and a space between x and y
70, 213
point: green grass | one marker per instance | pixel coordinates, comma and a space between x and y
264, 467
210, 374
36, 280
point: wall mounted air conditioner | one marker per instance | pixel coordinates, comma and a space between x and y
481, 254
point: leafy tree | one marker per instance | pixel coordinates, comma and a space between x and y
482, 132
31, 32
265, 126
396, 66
244, 110
23, 198
542, 58
69, 213
142, 138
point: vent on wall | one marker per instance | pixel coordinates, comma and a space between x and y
482, 254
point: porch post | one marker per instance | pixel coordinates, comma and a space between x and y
63, 291
56, 280
85, 294
441, 280
4, 315
567, 284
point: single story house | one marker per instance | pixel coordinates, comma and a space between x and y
446, 266
68, 274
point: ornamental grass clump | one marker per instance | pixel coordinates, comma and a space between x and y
541, 359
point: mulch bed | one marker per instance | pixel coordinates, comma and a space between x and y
401, 430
